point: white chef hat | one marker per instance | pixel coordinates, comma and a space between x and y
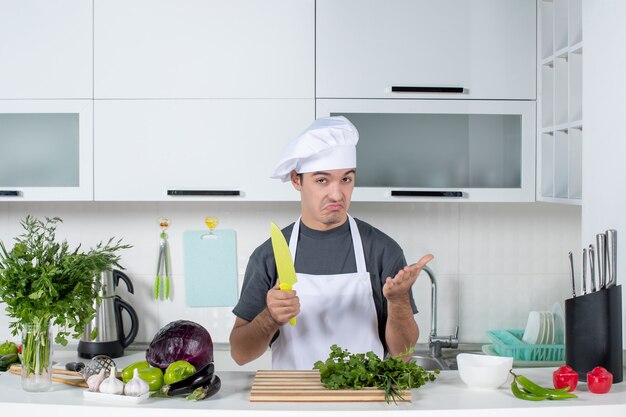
329, 143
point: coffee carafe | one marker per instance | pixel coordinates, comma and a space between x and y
110, 339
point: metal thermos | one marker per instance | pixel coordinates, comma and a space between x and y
110, 339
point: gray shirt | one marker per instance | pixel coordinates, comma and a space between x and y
324, 253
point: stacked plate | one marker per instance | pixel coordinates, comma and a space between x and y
544, 328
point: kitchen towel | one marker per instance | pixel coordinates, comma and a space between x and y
210, 268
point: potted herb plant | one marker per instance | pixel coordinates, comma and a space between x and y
45, 283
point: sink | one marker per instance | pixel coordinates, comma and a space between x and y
446, 362
429, 363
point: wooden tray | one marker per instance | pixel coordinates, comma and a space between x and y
305, 386
77, 381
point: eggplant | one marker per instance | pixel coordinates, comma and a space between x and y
206, 391
200, 379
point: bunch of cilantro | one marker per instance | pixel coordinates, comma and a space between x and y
345, 370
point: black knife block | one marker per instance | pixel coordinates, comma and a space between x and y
593, 332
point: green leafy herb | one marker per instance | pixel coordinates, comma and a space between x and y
43, 281
345, 370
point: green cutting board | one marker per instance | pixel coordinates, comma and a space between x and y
210, 268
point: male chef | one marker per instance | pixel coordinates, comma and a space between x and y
354, 285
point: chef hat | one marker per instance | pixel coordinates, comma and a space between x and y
329, 143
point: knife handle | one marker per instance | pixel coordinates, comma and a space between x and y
287, 287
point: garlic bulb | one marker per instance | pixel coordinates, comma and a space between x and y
112, 385
94, 381
136, 387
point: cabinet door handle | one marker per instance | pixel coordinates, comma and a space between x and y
10, 193
417, 89
402, 193
201, 193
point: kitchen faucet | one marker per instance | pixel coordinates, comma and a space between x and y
435, 342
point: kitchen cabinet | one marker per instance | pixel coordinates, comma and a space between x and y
485, 49
182, 150
441, 150
204, 49
46, 49
560, 110
46, 150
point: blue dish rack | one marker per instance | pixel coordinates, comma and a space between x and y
510, 343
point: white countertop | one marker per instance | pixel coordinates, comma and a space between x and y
447, 396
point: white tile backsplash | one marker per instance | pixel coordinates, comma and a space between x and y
494, 262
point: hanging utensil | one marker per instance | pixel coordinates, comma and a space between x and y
592, 268
571, 271
611, 251
601, 253
163, 265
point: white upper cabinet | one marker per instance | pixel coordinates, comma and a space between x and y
484, 49
204, 49
46, 150
183, 150
46, 49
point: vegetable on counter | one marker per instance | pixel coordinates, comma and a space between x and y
136, 387
129, 372
94, 381
7, 348
599, 380
7, 360
565, 377
153, 376
345, 370
180, 340
112, 385
203, 384
177, 371
525, 389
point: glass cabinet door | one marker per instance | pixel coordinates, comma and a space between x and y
46, 150
472, 150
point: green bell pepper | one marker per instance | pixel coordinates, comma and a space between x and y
177, 371
127, 373
7, 348
153, 376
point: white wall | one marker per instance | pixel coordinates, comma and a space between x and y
495, 262
604, 112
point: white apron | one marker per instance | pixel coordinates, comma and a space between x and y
334, 309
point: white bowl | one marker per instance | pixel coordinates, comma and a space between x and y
484, 371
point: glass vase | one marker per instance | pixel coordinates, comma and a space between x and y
36, 356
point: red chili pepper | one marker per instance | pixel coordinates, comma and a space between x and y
599, 380
564, 377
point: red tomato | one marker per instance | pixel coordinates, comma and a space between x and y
599, 380
19, 348
564, 377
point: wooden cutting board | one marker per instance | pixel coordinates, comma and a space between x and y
305, 386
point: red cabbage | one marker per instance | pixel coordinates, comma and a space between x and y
180, 340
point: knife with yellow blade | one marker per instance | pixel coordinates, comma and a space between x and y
284, 262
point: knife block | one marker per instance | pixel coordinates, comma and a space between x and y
593, 332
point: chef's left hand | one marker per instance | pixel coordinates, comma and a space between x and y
399, 287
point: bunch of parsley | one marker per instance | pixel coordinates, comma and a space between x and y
345, 370
43, 281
